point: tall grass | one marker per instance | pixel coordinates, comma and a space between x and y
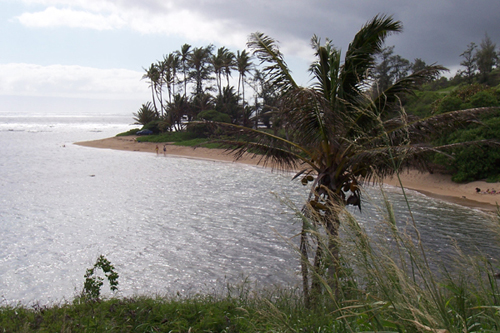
388, 283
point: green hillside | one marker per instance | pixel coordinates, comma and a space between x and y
470, 162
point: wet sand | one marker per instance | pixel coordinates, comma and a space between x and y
434, 185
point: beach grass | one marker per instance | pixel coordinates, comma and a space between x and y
132, 131
187, 139
169, 137
266, 311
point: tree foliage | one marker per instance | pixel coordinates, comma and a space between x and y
213, 115
486, 58
480, 63
472, 162
146, 114
469, 63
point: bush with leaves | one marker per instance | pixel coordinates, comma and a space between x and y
146, 114
473, 162
213, 115
94, 282
155, 126
466, 97
421, 104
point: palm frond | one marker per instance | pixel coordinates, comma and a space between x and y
267, 51
378, 161
386, 100
407, 128
321, 71
477, 143
272, 150
445, 122
326, 69
307, 110
268, 154
360, 55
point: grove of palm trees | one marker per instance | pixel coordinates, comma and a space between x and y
208, 84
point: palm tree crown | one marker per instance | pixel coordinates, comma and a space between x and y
336, 128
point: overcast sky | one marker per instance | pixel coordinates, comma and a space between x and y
72, 55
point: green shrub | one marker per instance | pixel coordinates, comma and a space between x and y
475, 162
200, 130
213, 115
94, 282
192, 142
146, 114
154, 126
421, 103
472, 162
449, 103
483, 99
129, 132
169, 137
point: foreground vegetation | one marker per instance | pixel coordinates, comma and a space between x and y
275, 311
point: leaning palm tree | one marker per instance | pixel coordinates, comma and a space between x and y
173, 61
169, 65
339, 135
200, 67
229, 61
154, 76
163, 73
217, 61
184, 55
244, 65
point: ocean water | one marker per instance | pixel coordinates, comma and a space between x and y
168, 224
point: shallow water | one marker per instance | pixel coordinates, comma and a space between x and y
168, 224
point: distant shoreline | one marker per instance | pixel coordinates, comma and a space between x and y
433, 185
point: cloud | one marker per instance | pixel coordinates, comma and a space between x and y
19, 79
54, 17
147, 17
435, 31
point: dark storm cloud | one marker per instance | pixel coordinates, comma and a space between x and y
435, 31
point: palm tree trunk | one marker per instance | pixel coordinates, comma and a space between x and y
317, 272
185, 82
243, 89
160, 97
154, 99
326, 260
332, 229
304, 265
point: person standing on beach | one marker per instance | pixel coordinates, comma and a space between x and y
156, 149
164, 150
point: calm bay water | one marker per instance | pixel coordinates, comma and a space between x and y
167, 224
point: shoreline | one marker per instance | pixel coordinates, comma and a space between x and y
437, 186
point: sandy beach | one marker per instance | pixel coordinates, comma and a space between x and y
434, 185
